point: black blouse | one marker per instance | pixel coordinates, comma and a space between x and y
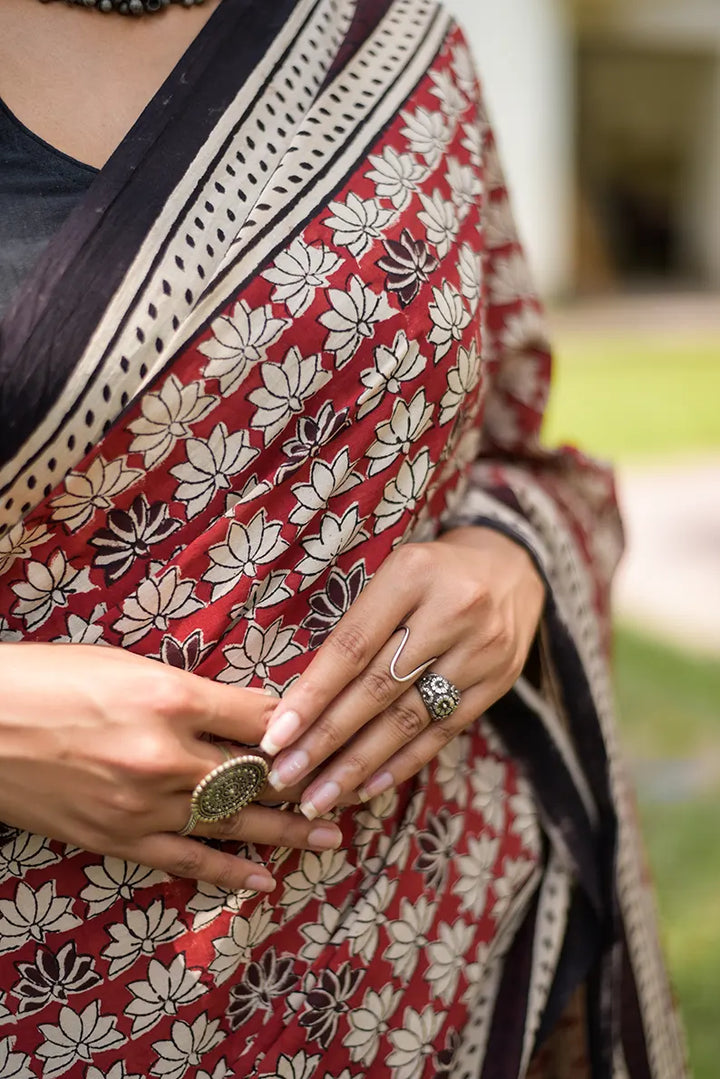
39, 187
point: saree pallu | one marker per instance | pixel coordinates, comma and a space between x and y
290, 328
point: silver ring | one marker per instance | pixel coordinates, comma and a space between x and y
418, 670
226, 790
440, 696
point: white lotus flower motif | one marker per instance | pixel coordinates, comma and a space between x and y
447, 958
239, 341
450, 317
245, 547
299, 1066
369, 1022
210, 901
476, 873
499, 224
525, 330
326, 480
76, 1037
7, 635
465, 185
427, 133
166, 416
524, 818
396, 176
186, 1047
336, 535
401, 362
244, 934
510, 279
48, 586
155, 603
356, 223
462, 379
440, 218
464, 68
403, 491
488, 782
298, 271
165, 989
362, 927
453, 101
508, 885
116, 879
352, 317
210, 462
117, 1071
413, 1042
313, 876
395, 436
32, 914
408, 937
470, 270
262, 650
474, 143
26, 851
95, 488
19, 541
14, 1065
83, 630
140, 934
451, 770
319, 934
286, 386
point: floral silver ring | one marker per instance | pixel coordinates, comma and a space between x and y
439, 695
227, 789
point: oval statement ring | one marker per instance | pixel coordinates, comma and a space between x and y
226, 790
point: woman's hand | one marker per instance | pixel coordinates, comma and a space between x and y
471, 602
101, 749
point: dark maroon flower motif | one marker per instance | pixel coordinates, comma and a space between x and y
311, 434
408, 264
437, 847
54, 977
444, 1057
129, 534
329, 604
184, 654
327, 1001
263, 981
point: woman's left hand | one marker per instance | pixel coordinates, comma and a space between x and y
471, 601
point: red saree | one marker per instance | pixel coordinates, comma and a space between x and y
289, 328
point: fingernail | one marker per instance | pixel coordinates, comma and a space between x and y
377, 785
289, 770
280, 732
323, 799
260, 882
325, 837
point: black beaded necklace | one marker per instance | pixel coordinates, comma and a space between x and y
129, 7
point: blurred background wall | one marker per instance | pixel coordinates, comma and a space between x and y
607, 114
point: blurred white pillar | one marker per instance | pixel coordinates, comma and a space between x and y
525, 57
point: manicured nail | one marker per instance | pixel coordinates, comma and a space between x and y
280, 733
325, 837
260, 882
377, 785
323, 799
292, 768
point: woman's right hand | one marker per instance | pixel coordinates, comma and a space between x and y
101, 748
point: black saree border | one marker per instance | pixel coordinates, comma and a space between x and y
54, 314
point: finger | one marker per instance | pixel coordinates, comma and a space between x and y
275, 828
413, 756
406, 723
239, 714
348, 650
370, 694
184, 857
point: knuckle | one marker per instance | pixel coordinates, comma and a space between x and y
168, 696
190, 863
500, 636
355, 764
413, 558
443, 732
379, 685
326, 734
406, 721
475, 597
153, 757
127, 802
353, 645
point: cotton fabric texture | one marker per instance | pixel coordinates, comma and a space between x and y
289, 328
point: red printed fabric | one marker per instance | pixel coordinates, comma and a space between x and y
377, 376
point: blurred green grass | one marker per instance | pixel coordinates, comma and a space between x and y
638, 396
634, 398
